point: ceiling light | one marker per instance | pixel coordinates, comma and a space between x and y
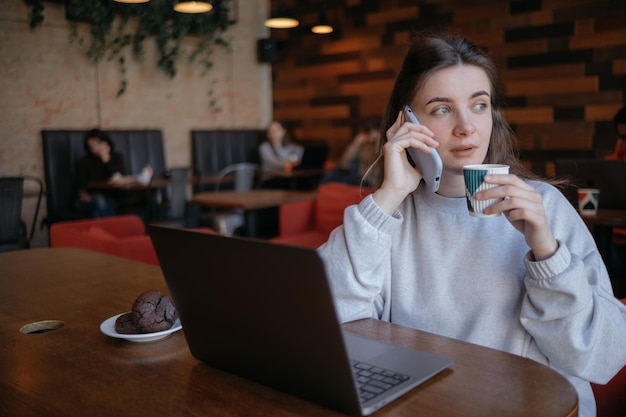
132, 1
322, 27
185, 6
281, 19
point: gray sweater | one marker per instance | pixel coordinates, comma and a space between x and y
433, 267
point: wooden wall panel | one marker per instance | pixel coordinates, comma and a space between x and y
552, 85
619, 66
388, 16
563, 64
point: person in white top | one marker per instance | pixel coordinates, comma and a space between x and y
279, 152
530, 281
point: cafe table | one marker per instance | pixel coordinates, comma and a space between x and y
131, 184
250, 201
289, 180
128, 183
55, 361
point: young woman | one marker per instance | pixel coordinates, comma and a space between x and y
100, 163
278, 152
530, 281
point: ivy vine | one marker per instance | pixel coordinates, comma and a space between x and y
112, 36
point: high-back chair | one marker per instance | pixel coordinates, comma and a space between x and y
62, 149
13, 231
176, 212
242, 176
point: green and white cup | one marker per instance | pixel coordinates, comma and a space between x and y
474, 175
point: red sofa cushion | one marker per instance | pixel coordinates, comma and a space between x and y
333, 199
97, 232
308, 223
123, 236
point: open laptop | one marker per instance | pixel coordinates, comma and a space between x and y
608, 176
313, 157
264, 311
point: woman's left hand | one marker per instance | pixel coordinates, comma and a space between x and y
523, 207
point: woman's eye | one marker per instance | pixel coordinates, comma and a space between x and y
480, 107
441, 110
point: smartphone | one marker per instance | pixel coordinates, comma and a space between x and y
430, 165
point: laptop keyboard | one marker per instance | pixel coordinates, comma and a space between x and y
373, 381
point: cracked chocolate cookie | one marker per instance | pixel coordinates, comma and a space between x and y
151, 312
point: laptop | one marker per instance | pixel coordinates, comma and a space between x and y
313, 157
608, 176
264, 311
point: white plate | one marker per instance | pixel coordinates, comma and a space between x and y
108, 327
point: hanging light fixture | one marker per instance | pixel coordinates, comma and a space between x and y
322, 27
281, 19
131, 1
186, 6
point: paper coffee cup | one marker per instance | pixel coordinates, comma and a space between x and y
474, 175
588, 200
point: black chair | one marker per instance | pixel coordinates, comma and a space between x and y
14, 233
213, 150
238, 177
175, 207
62, 149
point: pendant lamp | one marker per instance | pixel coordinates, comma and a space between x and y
186, 6
281, 19
322, 27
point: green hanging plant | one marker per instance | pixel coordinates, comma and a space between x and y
156, 20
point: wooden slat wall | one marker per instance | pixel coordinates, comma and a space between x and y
563, 63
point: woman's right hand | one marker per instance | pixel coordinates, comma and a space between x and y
400, 177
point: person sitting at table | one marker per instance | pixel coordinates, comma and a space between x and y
530, 281
357, 157
619, 121
279, 152
102, 163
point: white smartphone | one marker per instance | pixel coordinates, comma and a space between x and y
430, 165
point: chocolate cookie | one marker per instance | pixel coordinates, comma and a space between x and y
124, 324
153, 312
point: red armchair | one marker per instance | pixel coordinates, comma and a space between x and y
308, 223
123, 236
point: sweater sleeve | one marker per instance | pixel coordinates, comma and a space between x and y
569, 308
359, 267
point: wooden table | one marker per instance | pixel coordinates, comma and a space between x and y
250, 201
78, 371
296, 179
128, 183
263, 175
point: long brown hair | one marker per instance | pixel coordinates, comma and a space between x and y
432, 52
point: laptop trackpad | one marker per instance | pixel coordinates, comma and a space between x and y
362, 348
